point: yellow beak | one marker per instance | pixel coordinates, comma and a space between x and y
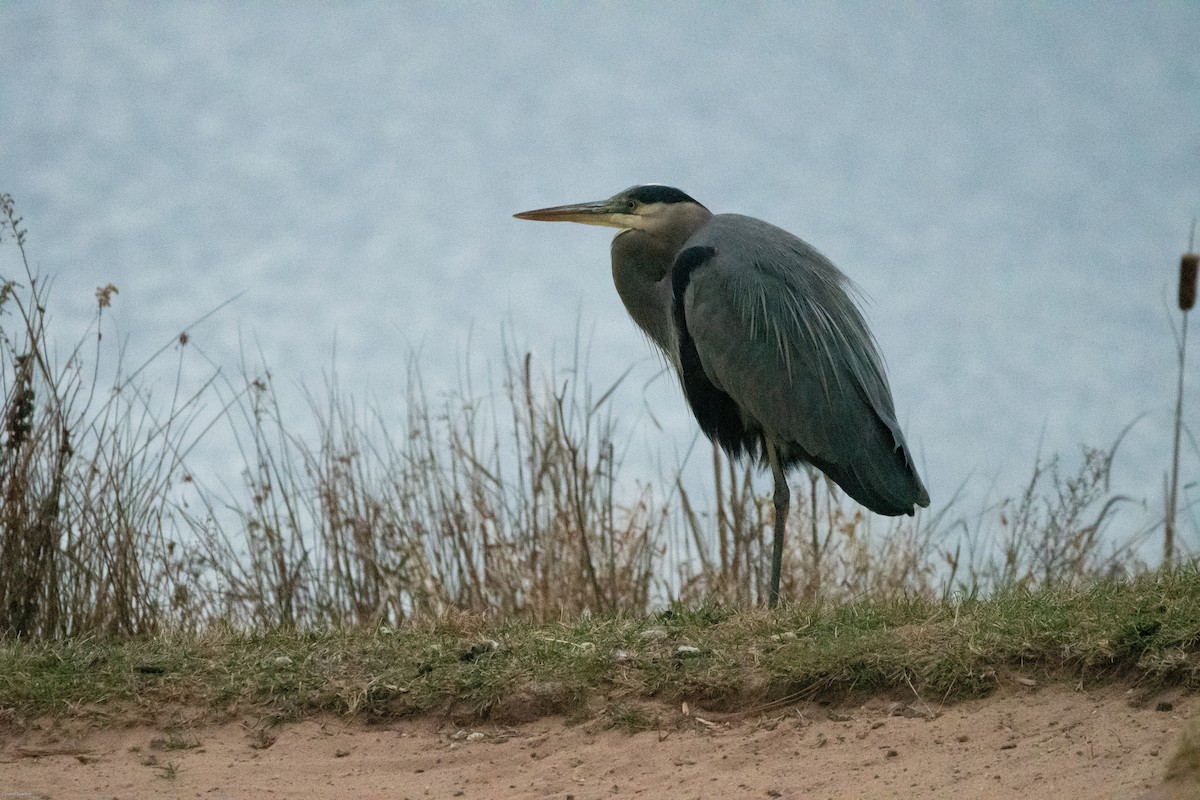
601, 212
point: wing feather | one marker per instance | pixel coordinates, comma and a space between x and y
774, 326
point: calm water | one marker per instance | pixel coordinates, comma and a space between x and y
1011, 187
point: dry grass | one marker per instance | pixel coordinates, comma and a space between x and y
508, 501
84, 473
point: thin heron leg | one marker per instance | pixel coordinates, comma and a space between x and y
782, 500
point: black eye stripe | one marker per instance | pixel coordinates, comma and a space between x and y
653, 193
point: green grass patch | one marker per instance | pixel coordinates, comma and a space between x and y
1144, 632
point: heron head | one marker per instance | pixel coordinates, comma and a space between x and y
652, 208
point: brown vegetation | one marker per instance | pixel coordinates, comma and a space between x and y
502, 502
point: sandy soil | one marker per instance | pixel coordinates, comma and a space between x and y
1025, 742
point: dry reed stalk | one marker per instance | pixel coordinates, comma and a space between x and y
1187, 298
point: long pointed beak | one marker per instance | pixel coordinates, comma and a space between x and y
600, 212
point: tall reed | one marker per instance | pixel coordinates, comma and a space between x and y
1188, 265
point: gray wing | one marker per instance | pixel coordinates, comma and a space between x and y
775, 328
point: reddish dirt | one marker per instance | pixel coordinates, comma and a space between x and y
1025, 742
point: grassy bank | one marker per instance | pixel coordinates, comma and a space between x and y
1145, 632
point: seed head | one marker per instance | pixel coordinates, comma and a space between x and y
104, 295
1187, 280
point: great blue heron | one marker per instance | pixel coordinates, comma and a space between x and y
774, 356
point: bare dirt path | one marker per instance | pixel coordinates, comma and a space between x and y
1024, 742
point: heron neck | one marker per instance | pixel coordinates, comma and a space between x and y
641, 267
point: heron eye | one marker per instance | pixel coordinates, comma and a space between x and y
631, 204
